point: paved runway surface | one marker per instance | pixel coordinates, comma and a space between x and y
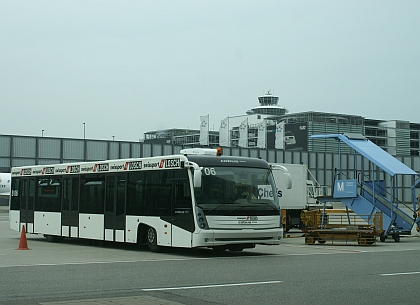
86, 272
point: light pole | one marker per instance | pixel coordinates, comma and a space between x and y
84, 142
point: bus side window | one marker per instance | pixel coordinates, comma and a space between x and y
182, 190
48, 195
15, 193
163, 200
92, 195
182, 195
136, 204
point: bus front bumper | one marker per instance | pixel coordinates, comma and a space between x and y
214, 238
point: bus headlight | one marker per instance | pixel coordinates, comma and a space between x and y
201, 219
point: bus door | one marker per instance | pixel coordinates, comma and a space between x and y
114, 212
70, 207
182, 217
27, 198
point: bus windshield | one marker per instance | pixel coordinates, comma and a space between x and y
237, 191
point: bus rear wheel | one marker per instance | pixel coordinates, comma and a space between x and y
152, 240
53, 239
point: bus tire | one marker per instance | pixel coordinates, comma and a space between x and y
152, 240
54, 239
49, 238
235, 248
219, 248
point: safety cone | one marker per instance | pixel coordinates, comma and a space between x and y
23, 244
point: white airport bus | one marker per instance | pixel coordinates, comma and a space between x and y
198, 198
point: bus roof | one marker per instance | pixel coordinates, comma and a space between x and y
203, 160
126, 165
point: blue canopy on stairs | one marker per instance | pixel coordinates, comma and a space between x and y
372, 152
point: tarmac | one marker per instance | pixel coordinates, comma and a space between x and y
141, 300
138, 300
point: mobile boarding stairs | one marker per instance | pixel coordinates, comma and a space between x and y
375, 189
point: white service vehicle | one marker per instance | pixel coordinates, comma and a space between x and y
5, 181
301, 196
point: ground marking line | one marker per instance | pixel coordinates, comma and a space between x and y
400, 273
205, 258
104, 262
211, 286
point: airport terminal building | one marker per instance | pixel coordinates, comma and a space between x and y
398, 138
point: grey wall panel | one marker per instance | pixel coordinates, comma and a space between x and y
288, 157
304, 159
157, 150
5, 146
271, 157
320, 176
73, 149
96, 150
336, 162
72, 160
253, 153
262, 154
235, 152
136, 150
359, 161
329, 160
114, 150
125, 150
416, 164
49, 161
22, 162
168, 150
4, 162
329, 177
344, 162
177, 149
49, 148
280, 156
147, 150
244, 152
24, 147
296, 157
320, 161
312, 161
406, 195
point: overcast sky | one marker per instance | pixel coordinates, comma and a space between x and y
128, 67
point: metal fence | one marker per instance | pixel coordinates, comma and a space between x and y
26, 150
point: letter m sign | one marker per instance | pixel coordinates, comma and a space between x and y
345, 188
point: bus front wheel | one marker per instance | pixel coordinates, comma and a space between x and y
152, 240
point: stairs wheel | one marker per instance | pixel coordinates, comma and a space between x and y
382, 237
396, 238
309, 240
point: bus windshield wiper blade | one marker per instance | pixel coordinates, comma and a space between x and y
216, 208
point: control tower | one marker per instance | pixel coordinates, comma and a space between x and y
268, 106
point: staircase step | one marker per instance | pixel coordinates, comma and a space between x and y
361, 206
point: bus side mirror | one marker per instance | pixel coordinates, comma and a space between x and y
197, 178
288, 180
